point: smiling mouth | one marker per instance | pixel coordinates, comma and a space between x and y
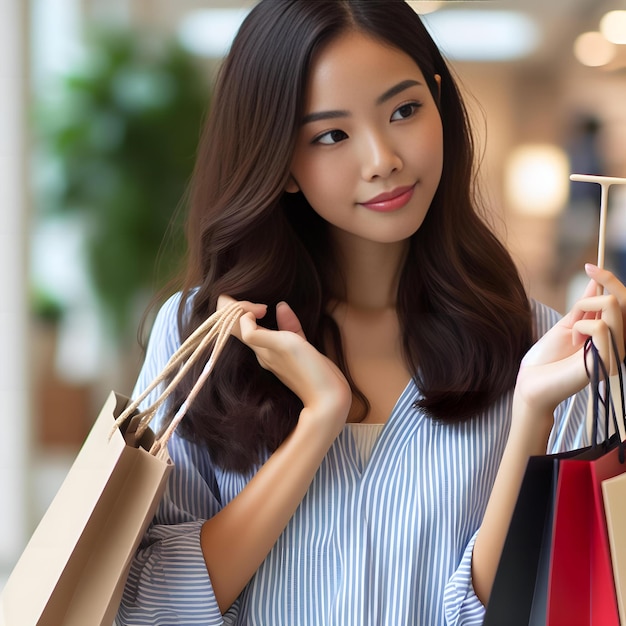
391, 200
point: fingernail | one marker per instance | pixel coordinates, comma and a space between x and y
590, 267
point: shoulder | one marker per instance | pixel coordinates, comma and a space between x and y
164, 341
544, 318
165, 330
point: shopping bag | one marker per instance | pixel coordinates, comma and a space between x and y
581, 590
581, 587
73, 569
614, 496
519, 593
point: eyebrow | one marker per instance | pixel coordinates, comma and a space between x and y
395, 90
390, 93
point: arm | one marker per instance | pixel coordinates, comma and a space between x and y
234, 548
551, 371
192, 533
461, 604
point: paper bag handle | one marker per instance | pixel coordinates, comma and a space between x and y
216, 328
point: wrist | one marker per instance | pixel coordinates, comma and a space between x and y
323, 420
531, 424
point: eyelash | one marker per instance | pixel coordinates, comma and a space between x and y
329, 133
414, 107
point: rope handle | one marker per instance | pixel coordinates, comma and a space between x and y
610, 413
216, 328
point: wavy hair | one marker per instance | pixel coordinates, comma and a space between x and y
464, 314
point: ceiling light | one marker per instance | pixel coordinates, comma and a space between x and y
537, 180
210, 32
613, 26
593, 50
483, 35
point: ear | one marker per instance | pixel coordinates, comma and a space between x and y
292, 186
438, 81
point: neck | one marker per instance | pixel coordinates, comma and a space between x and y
371, 271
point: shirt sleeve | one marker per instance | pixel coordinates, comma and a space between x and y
168, 581
461, 604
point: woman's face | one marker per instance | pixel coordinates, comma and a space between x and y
369, 153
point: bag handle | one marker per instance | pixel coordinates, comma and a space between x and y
606, 401
217, 328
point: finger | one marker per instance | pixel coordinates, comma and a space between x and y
593, 307
603, 330
255, 310
248, 334
575, 314
288, 320
265, 342
591, 289
259, 338
615, 287
605, 307
599, 333
223, 301
609, 281
247, 326
259, 310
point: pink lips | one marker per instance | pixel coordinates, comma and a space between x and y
391, 200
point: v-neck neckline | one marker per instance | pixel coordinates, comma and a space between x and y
388, 429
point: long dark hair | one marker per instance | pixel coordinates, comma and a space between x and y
464, 314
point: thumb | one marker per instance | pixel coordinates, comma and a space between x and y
288, 320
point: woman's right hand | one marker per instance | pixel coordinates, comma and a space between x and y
233, 548
285, 352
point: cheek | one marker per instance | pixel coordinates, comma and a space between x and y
322, 179
431, 143
429, 156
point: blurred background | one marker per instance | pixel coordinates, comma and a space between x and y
100, 108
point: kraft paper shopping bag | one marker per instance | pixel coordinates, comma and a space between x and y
74, 566
614, 495
73, 570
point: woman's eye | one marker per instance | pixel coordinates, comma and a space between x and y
331, 137
405, 111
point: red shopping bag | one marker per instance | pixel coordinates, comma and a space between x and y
581, 586
581, 590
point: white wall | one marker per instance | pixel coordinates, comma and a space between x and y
14, 392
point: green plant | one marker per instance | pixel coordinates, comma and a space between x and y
45, 307
121, 134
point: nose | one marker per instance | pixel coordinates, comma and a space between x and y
379, 157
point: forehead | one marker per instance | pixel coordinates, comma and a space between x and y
356, 62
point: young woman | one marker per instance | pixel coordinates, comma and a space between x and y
356, 456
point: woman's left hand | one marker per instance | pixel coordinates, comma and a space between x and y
554, 369
551, 371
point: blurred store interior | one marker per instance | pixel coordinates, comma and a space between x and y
100, 110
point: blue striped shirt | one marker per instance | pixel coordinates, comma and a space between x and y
382, 543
